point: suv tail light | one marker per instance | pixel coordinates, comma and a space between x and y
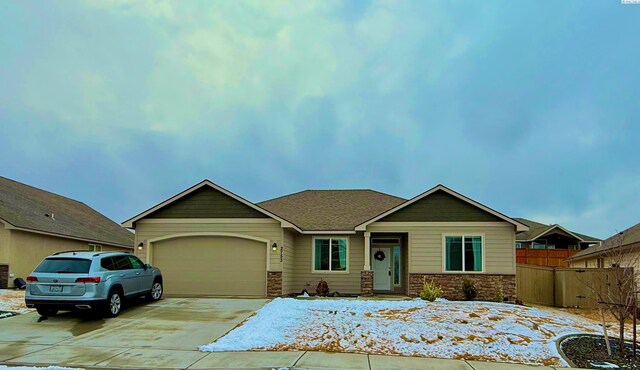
92, 279
32, 279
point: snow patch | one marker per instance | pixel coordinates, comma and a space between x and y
13, 301
444, 329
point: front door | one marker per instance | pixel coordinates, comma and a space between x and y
381, 266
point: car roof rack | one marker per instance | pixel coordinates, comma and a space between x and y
106, 252
73, 251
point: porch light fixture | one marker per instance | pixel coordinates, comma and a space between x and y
140, 246
274, 247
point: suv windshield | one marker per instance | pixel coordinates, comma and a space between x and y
64, 266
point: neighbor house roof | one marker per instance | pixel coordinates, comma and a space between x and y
331, 210
629, 238
537, 230
27, 208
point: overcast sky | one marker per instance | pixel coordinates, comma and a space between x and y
530, 108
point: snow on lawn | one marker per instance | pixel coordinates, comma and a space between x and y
445, 329
13, 301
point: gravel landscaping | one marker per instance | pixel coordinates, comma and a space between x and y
583, 351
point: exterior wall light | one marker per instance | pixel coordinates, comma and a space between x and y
274, 247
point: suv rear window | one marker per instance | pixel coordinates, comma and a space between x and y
64, 266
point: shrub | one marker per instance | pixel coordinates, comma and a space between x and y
469, 289
430, 291
322, 289
500, 295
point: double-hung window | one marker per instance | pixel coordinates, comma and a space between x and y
330, 254
463, 253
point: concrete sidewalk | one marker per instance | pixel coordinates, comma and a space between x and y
89, 357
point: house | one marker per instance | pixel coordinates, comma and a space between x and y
598, 255
209, 241
549, 245
35, 223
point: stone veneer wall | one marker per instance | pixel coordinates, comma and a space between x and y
488, 285
4, 276
274, 283
366, 283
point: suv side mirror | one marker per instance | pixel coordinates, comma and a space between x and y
147, 266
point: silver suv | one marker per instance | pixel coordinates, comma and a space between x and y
90, 280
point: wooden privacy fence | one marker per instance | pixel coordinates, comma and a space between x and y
544, 257
559, 286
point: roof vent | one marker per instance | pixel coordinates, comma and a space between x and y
50, 216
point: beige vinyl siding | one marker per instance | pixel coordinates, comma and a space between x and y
265, 229
426, 244
27, 250
4, 244
288, 253
345, 283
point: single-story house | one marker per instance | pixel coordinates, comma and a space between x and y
598, 256
549, 245
209, 241
554, 236
35, 223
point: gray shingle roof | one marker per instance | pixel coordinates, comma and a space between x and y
25, 206
536, 228
627, 238
331, 210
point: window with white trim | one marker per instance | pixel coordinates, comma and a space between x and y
518, 245
95, 248
330, 254
463, 253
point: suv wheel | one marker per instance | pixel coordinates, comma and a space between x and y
114, 304
156, 291
46, 311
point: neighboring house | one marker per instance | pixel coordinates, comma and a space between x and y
596, 256
35, 223
211, 242
549, 245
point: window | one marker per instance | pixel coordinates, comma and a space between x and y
107, 263
538, 246
95, 248
64, 266
122, 263
136, 263
600, 263
396, 265
463, 253
518, 245
330, 254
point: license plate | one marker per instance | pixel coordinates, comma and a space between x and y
55, 288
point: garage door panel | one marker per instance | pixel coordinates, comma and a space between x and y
203, 266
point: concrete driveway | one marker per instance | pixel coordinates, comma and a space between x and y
162, 334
